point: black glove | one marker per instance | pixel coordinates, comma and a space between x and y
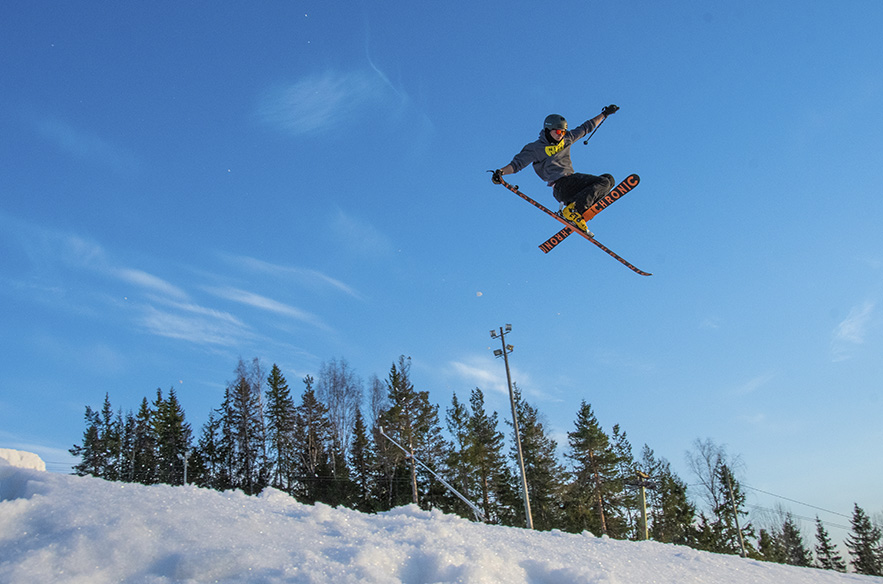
497, 177
610, 110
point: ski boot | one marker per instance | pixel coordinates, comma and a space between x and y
571, 214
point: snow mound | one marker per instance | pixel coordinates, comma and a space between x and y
22, 459
61, 528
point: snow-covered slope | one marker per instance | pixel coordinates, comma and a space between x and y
60, 528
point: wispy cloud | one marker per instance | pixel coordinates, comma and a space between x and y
851, 332
268, 304
48, 249
88, 146
149, 282
489, 374
308, 277
72, 272
200, 326
332, 98
754, 384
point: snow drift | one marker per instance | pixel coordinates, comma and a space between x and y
61, 528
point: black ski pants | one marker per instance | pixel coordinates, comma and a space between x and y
582, 189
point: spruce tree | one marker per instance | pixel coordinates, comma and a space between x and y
363, 462
412, 421
91, 451
485, 454
546, 477
245, 431
671, 513
127, 444
111, 441
173, 437
732, 506
144, 457
462, 469
827, 556
796, 553
770, 548
312, 444
864, 544
280, 420
210, 460
624, 519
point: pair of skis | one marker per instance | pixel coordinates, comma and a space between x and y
621, 189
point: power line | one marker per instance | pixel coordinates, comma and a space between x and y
810, 519
794, 501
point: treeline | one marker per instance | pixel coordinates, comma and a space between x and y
327, 447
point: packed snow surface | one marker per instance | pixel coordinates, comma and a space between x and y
22, 459
62, 528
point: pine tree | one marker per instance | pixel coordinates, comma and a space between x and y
594, 475
864, 544
827, 556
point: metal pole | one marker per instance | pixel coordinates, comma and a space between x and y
505, 352
184, 458
479, 515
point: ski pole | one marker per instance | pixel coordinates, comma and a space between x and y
604, 111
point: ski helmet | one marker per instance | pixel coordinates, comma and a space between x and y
555, 122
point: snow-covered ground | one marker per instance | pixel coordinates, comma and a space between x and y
61, 528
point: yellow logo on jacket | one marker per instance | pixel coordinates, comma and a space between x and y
553, 149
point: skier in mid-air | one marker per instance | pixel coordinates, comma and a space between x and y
550, 156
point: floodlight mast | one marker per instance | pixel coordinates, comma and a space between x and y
505, 353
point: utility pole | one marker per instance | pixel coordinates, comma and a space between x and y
505, 354
643, 484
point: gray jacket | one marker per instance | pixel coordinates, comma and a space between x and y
551, 160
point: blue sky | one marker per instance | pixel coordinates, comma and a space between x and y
185, 185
